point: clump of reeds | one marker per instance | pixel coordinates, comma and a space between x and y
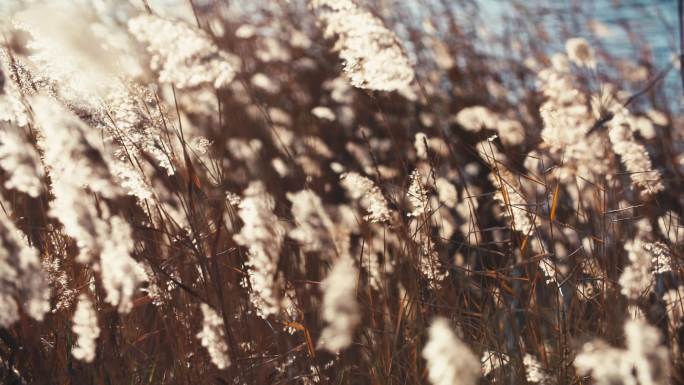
334, 192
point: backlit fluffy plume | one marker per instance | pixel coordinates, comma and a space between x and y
340, 308
447, 193
645, 360
183, 55
567, 119
315, 229
73, 48
580, 52
373, 56
417, 195
12, 88
21, 162
22, 282
133, 125
312, 221
636, 279
646, 260
421, 145
71, 148
429, 262
509, 193
476, 118
263, 235
429, 146
492, 360
74, 163
633, 155
534, 372
670, 224
121, 274
449, 360
510, 131
369, 195
86, 330
212, 337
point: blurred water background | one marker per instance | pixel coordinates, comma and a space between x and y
621, 26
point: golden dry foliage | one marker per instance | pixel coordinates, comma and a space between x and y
336, 192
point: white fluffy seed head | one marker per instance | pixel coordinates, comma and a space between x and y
340, 309
580, 52
449, 360
644, 360
21, 161
86, 330
373, 57
183, 55
22, 280
369, 195
263, 235
212, 337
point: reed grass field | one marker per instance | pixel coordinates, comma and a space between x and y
381, 192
